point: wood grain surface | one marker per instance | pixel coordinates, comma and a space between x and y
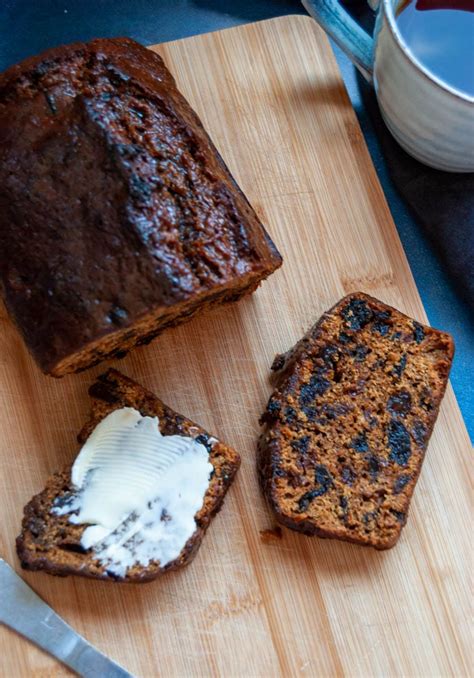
271, 96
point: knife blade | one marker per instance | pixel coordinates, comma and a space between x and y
24, 611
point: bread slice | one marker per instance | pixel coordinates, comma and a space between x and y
349, 422
51, 543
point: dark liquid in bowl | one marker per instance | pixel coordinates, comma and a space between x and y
440, 34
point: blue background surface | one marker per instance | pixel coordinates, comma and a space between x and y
29, 26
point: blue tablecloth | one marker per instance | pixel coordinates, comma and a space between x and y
28, 26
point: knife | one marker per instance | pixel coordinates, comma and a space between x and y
24, 611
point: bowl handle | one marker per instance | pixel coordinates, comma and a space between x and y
351, 38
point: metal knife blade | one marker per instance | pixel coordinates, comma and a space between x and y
23, 610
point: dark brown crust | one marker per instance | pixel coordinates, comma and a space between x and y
39, 546
278, 430
118, 217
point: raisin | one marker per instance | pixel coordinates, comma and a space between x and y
399, 404
203, 439
400, 366
63, 499
323, 478
357, 314
380, 325
371, 419
348, 476
306, 499
329, 354
324, 482
274, 406
307, 394
369, 517
334, 411
344, 338
400, 483
419, 432
359, 443
374, 466
381, 328
399, 515
317, 386
117, 315
310, 413
360, 353
301, 444
418, 332
344, 504
398, 442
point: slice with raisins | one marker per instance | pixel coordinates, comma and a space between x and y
51, 541
347, 426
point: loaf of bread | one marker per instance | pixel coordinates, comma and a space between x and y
52, 541
118, 217
347, 427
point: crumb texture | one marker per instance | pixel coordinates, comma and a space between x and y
347, 427
49, 542
118, 217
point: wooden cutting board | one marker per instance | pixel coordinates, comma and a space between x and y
271, 96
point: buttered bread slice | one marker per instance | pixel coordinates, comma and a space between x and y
139, 497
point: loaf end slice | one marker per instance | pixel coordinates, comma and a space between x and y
50, 542
347, 427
